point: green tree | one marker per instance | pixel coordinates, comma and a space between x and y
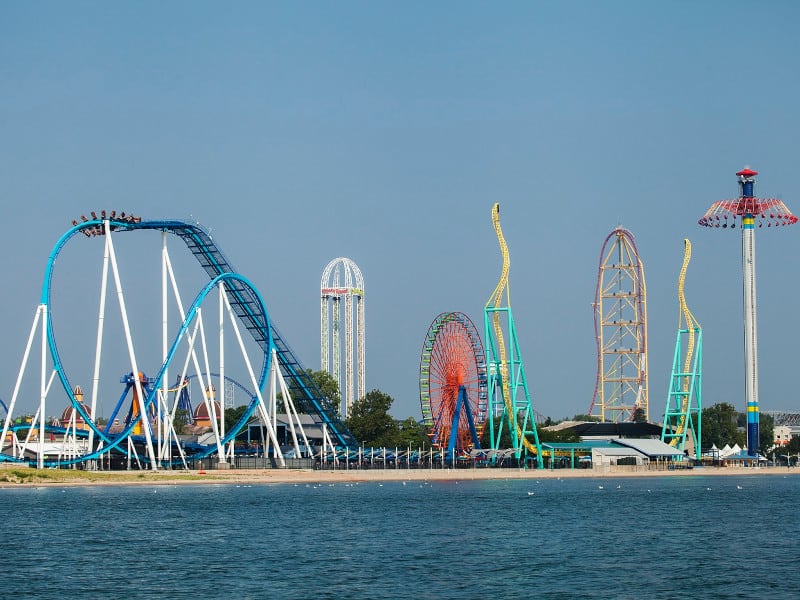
325, 383
328, 385
370, 422
181, 420
505, 436
586, 418
720, 426
411, 434
557, 435
766, 433
232, 415
793, 447
639, 415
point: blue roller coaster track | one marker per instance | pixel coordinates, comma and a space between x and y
244, 302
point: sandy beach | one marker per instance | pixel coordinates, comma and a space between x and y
22, 476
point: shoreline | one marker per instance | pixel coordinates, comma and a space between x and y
28, 477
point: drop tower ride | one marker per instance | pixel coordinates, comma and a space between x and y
751, 212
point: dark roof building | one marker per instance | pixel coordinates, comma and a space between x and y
589, 430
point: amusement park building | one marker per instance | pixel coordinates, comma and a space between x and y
591, 430
604, 453
605, 444
782, 435
787, 426
255, 430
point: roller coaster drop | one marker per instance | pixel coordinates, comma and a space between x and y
683, 416
154, 440
509, 399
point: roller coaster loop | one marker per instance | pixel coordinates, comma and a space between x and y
238, 299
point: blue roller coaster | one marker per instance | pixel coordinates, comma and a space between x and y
148, 431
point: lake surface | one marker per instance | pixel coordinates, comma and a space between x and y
666, 537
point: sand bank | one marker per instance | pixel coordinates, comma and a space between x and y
16, 477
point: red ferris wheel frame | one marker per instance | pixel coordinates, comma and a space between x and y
453, 383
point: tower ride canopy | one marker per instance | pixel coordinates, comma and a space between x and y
749, 211
620, 324
342, 280
150, 433
510, 407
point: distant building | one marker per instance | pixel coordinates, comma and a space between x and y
592, 430
256, 431
607, 444
782, 435
783, 419
72, 417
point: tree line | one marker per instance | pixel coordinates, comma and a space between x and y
372, 425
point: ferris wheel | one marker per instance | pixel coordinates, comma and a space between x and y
453, 383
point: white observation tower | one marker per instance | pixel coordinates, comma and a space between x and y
342, 279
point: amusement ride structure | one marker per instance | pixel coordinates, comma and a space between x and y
683, 415
620, 324
509, 401
464, 390
145, 422
749, 210
453, 384
342, 280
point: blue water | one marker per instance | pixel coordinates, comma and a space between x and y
696, 537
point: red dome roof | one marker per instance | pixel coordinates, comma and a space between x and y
201, 412
66, 416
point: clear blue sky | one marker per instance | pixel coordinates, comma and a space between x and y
384, 132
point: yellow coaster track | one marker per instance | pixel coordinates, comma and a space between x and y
685, 319
496, 301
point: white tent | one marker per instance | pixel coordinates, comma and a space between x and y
726, 451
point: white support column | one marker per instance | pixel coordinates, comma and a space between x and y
101, 316
750, 335
273, 401
43, 390
348, 351
337, 353
291, 410
205, 382
40, 310
221, 385
261, 406
362, 342
131, 353
164, 428
324, 334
